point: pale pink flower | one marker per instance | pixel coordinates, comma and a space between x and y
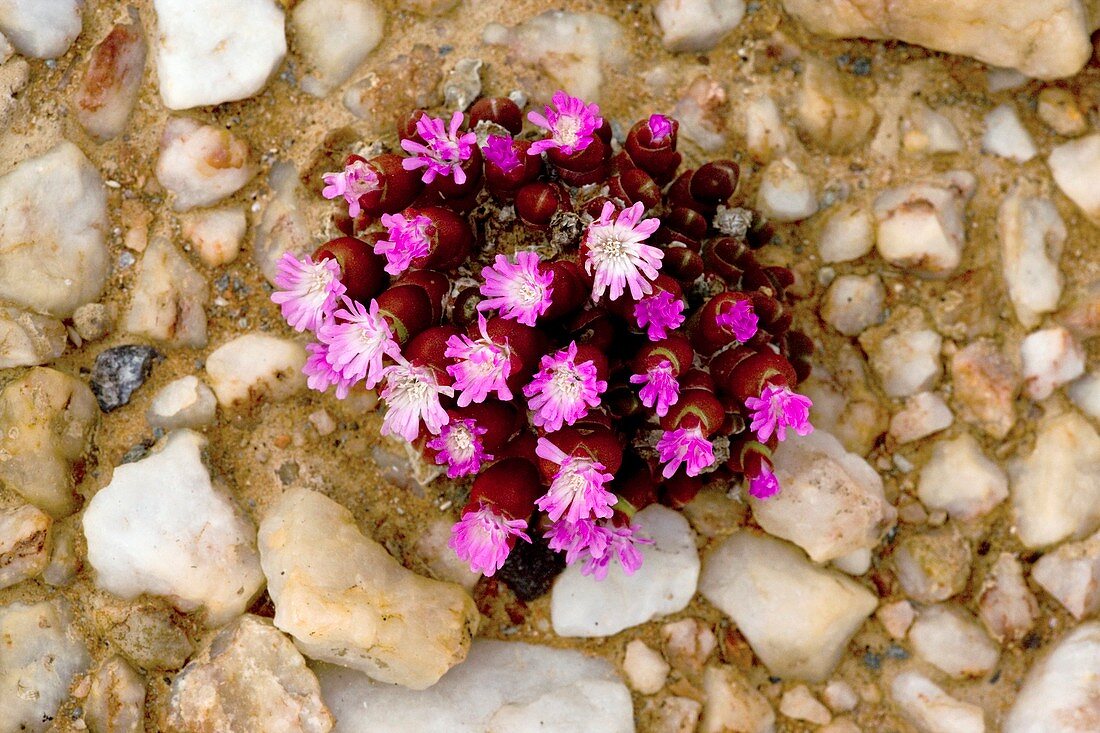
659, 128
617, 253
659, 313
412, 394
779, 408
684, 446
764, 485
571, 125
445, 149
308, 290
482, 367
356, 340
320, 375
520, 291
660, 389
459, 447
576, 538
740, 320
406, 240
562, 390
500, 150
483, 539
621, 544
356, 180
577, 490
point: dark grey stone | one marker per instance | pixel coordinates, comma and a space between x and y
119, 371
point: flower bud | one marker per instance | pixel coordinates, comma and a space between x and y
361, 270
498, 110
510, 485
536, 203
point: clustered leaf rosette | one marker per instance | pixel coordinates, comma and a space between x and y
649, 355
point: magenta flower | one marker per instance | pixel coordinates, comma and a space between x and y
659, 313
618, 255
684, 445
320, 375
659, 128
482, 538
406, 240
659, 389
765, 485
621, 544
520, 291
577, 490
562, 390
459, 447
412, 394
308, 290
445, 149
574, 538
776, 409
500, 150
482, 367
356, 180
356, 340
740, 319
571, 126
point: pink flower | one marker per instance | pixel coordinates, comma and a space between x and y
659, 128
356, 180
500, 150
659, 313
617, 254
765, 485
445, 149
483, 366
571, 125
776, 409
412, 394
660, 387
320, 375
684, 445
307, 290
356, 340
577, 489
562, 390
459, 447
406, 240
620, 543
740, 319
575, 538
519, 291
482, 538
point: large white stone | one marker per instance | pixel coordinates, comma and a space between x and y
582, 606
216, 234
1075, 166
931, 709
1032, 235
732, 703
960, 480
183, 403
985, 383
28, 338
256, 367
828, 114
921, 227
168, 300
1050, 358
53, 217
1061, 691
924, 413
42, 29
1071, 574
1056, 487
503, 687
116, 698
853, 303
848, 234
786, 193
797, 617
161, 526
904, 353
209, 52
111, 83
950, 639
696, 25
1006, 136
1085, 394
832, 503
334, 38
1006, 605
201, 164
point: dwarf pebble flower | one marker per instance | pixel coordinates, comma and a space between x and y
619, 543
356, 340
577, 490
684, 446
406, 239
308, 290
445, 149
412, 395
458, 446
660, 390
571, 124
739, 319
482, 366
659, 127
764, 485
617, 254
482, 538
659, 313
500, 150
562, 390
356, 180
320, 374
776, 409
519, 291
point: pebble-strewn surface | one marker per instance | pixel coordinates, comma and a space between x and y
192, 541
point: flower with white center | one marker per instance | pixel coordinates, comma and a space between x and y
519, 291
562, 391
445, 149
571, 123
616, 252
482, 366
406, 240
308, 290
660, 390
684, 446
484, 538
458, 446
355, 181
779, 408
320, 375
356, 339
740, 320
412, 395
577, 490
658, 314
619, 543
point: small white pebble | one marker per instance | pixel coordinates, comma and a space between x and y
646, 670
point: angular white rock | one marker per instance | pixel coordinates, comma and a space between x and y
696, 25
931, 709
1071, 574
798, 703
161, 526
1050, 357
1006, 605
1006, 136
1061, 691
581, 606
921, 227
848, 234
1075, 166
645, 669
934, 565
951, 640
256, 367
209, 52
215, 234
732, 703
766, 135
183, 403
896, 618
1085, 394
112, 81
24, 543
53, 217
702, 112
1058, 109
853, 303
840, 696
786, 193
1032, 236
502, 687
1056, 487
927, 132
827, 113
906, 360
832, 503
334, 38
283, 226
201, 164
116, 698
985, 383
924, 414
41, 29
168, 299
960, 480
797, 617
28, 338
